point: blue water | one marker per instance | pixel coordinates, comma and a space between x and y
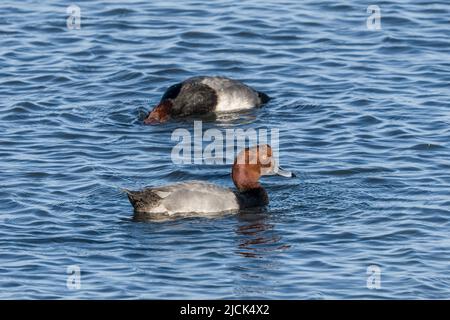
364, 121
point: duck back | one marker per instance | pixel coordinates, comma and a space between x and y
232, 94
200, 95
188, 197
194, 98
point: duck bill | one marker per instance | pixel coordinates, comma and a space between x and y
284, 173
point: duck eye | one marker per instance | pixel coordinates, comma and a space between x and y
265, 160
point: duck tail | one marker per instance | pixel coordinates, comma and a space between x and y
133, 198
142, 200
263, 97
132, 195
124, 190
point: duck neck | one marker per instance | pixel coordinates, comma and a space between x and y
248, 186
249, 198
165, 108
251, 193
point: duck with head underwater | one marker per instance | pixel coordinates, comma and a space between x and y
202, 95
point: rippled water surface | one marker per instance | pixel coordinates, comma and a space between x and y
363, 118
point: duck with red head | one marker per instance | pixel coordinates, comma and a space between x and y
203, 95
248, 167
202, 198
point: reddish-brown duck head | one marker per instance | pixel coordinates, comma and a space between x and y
252, 163
160, 114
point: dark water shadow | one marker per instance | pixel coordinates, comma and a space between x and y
257, 236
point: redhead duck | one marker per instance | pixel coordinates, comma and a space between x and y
206, 198
201, 95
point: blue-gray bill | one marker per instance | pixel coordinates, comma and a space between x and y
284, 173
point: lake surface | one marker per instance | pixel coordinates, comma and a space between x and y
363, 117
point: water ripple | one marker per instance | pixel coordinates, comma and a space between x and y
363, 119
